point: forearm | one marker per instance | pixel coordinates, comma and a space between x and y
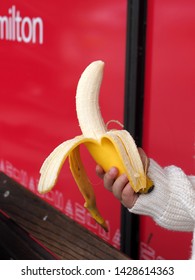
172, 202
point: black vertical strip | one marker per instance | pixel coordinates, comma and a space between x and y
133, 112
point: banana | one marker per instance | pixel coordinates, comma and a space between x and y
107, 147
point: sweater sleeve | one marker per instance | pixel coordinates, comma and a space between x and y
172, 202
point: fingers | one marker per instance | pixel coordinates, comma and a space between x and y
100, 171
123, 191
128, 196
119, 186
110, 177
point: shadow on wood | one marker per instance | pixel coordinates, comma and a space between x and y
55, 231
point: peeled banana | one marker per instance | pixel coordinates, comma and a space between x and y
108, 148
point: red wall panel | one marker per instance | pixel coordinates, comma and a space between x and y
44, 47
169, 123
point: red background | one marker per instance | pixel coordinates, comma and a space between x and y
38, 85
169, 123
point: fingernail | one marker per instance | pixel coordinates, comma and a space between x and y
113, 171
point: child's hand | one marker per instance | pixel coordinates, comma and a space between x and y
120, 186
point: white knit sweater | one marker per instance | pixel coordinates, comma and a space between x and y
172, 202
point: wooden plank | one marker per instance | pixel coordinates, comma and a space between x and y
18, 244
57, 232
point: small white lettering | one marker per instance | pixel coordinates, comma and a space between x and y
148, 253
80, 214
116, 239
69, 209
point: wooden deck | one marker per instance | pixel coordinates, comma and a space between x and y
55, 231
